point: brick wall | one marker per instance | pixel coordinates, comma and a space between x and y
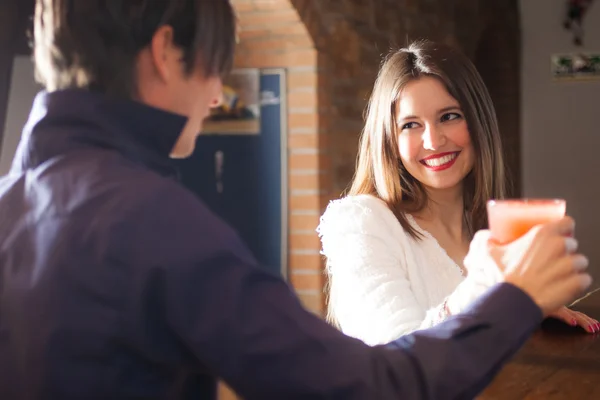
272, 34
332, 50
498, 59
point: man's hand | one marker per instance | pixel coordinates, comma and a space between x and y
543, 263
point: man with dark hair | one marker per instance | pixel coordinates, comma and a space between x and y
118, 283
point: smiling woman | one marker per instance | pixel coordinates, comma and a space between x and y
433, 135
430, 158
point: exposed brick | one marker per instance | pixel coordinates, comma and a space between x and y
315, 141
308, 79
306, 262
308, 202
309, 161
241, 7
313, 280
313, 302
311, 202
271, 5
297, 120
304, 222
297, 98
288, 42
265, 17
304, 242
326, 198
275, 59
310, 181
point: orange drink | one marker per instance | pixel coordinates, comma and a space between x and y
511, 219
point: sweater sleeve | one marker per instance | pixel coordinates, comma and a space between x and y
371, 296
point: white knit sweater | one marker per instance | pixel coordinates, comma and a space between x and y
384, 283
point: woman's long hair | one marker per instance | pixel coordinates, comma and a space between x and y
379, 170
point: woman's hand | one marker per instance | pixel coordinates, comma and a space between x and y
575, 318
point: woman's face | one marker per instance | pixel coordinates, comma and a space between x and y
434, 142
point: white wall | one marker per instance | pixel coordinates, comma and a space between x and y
22, 92
560, 121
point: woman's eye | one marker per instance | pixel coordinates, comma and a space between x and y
451, 116
410, 125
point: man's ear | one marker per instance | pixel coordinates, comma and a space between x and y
165, 55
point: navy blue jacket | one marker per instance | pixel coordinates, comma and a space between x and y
118, 283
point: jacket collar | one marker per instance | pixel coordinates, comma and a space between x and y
67, 120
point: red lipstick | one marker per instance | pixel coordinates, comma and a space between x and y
440, 161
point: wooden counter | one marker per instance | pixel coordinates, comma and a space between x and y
559, 362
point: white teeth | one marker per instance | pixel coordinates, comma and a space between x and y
436, 162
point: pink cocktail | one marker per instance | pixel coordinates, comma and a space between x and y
511, 219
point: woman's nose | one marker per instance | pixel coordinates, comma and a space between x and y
433, 138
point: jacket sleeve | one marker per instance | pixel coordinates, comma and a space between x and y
246, 326
370, 294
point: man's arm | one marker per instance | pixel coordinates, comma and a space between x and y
459, 357
247, 327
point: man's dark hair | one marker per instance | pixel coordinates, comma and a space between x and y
94, 44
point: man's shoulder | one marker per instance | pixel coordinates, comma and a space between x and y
165, 214
106, 191
125, 206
